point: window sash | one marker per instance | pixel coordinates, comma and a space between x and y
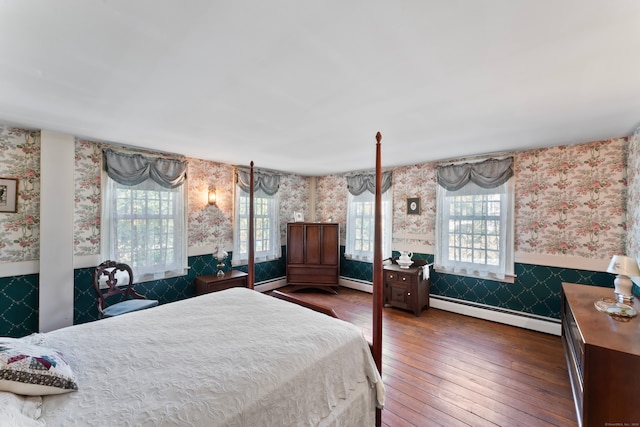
474, 231
361, 225
144, 226
266, 227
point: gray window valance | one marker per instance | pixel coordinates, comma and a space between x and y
490, 173
267, 182
358, 184
132, 169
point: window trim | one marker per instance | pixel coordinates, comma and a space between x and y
387, 226
259, 256
180, 267
442, 234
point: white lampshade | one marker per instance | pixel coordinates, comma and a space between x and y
623, 265
221, 254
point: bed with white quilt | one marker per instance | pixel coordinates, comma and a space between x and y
230, 358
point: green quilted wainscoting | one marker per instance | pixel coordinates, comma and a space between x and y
167, 290
267, 270
19, 305
363, 271
19, 294
536, 289
353, 269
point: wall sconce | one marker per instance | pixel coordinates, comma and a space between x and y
211, 198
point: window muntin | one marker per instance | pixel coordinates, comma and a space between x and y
266, 227
263, 225
363, 222
474, 231
361, 226
145, 228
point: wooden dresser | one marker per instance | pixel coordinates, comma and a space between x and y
406, 288
603, 358
313, 255
213, 283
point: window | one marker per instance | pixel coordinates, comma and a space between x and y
144, 225
361, 225
266, 227
474, 230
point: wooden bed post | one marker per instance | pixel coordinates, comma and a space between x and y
377, 271
250, 268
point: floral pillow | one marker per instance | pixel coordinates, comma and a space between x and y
33, 370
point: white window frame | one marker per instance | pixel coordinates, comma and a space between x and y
462, 246
266, 220
360, 235
170, 245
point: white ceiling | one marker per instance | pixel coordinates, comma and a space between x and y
303, 86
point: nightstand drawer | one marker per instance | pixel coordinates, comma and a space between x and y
398, 294
213, 283
401, 277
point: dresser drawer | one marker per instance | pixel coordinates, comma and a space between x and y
574, 340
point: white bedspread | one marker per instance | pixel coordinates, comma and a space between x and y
230, 358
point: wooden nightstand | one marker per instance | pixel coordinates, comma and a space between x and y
213, 283
406, 288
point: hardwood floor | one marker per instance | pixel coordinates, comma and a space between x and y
445, 369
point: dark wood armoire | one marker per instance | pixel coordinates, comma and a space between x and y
313, 255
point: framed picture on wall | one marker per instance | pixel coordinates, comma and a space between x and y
413, 206
8, 195
298, 216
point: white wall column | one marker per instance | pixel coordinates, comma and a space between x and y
56, 230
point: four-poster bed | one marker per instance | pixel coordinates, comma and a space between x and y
231, 358
376, 346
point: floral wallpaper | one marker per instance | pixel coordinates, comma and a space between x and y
207, 225
293, 195
409, 182
633, 196
20, 158
570, 200
331, 201
210, 225
213, 225
86, 215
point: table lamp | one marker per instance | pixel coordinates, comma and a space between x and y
623, 267
221, 255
